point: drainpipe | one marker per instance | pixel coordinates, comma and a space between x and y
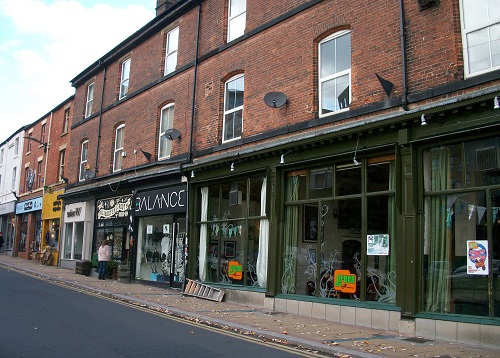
190, 154
100, 121
404, 100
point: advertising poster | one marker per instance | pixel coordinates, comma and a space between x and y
477, 257
377, 244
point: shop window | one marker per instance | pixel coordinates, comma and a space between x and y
325, 240
234, 233
73, 241
461, 248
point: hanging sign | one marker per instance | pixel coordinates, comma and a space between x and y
114, 208
477, 257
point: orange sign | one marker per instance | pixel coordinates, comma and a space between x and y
234, 269
345, 281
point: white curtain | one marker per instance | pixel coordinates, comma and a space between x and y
202, 258
262, 259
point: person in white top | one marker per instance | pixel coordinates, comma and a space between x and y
103, 257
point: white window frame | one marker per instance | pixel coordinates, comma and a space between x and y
488, 17
90, 100
62, 162
236, 19
118, 152
233, 110
84, 151
14, 179
171, 48
333, 77
16, 146
66, 121
166, 123
125, 78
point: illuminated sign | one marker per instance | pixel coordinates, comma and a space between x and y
235, 270
345, 281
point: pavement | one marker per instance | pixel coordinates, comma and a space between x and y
308, 335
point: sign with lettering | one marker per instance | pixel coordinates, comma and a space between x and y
75, 212
344, 281
234, 270
28, 206
161, 201
114, 208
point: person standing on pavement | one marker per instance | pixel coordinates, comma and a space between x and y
103, 257
1, 241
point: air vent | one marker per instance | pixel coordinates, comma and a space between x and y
487, 158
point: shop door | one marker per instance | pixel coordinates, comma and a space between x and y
173, 265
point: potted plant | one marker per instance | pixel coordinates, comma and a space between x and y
111, 269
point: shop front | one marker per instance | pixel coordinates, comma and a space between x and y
77, 233
160, 219
8, 226
112, 215
51, 223
29, 236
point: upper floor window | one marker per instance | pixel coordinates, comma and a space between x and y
117, 162
65, 121
62, 161
481, 35
16, 146
233, 108
334, 73
28, 147
236, 19
44, 129
39, 176
83, 159
90, 100
14, 179
171, 47
1, 156
125, 78
166, 122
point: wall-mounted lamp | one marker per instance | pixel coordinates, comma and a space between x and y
172, 134
355, 152
232, 167
423, 122
192, 173
282, 158
38, 141
496, 103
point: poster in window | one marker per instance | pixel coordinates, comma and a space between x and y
310, 223
477, 257
230, 249
377, 244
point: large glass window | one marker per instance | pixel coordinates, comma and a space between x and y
73, 241
124, 82
118, 152
335, 73
461, 237
171, 46
236, 19
481, 35
166, 123
234, 233
233, 108
339, 233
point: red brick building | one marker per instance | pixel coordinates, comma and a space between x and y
341, 161
38, 209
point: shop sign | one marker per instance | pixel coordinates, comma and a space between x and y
114, 208
234, 270
345, 281
30, 205
162, 201
7, 208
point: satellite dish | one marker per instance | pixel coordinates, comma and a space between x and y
172, 133
275, 99
89, 174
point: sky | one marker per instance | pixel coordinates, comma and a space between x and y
44, 44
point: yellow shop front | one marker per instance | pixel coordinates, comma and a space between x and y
51, 222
